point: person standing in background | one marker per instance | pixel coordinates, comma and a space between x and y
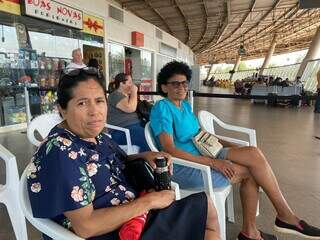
317, 105
76, 60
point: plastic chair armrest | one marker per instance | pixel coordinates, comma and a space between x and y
234, 140
250, 132
126, 132
205, 170
56, 231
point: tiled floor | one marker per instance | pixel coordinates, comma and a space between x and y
286, 136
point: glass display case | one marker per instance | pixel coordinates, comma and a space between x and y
33, 53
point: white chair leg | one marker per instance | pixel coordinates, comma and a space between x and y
16, 216
220, 207
230, 207
258, 209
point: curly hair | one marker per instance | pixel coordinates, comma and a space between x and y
169, 70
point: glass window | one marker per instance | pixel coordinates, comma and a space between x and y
146, 64
9, 44
116, 60
161, 61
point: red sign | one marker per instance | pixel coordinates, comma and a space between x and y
137, 39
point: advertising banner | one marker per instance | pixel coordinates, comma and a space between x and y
54, 12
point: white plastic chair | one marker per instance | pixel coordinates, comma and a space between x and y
45, 122
47, 226
207, 121
43, 125
44, 225
9, 195
129, 148
218, 195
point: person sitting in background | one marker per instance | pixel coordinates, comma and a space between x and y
93, 62
174, 125
122, 106
76, 60
317, 105
76, 177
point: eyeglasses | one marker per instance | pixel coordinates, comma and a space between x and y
72, 72
176, 84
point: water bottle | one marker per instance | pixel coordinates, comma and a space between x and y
162, 176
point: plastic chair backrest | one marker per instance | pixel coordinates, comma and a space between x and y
207, 120
12, 175
150, 138
43, 125
44, 225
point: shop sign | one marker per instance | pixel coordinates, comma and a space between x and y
10, 6
93, 25
54, 12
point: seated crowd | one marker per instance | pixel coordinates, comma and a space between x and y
77, 176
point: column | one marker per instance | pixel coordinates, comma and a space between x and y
313, 52
236, 66
209, 71
269, 55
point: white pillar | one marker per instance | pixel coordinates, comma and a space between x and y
236, 66
209, 71
313, 52
269, 55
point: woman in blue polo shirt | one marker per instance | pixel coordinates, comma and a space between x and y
174, 125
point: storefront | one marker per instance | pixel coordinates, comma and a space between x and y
36, 43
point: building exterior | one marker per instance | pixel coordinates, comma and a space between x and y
37, 38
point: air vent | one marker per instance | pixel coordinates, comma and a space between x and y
158, 33
116, 13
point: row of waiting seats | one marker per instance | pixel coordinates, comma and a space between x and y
278, 90
16, 197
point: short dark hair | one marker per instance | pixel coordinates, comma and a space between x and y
120, 78
169, 70
67, 83
93, 62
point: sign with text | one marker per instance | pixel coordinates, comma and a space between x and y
54, 12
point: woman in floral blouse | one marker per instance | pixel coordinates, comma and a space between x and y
76, 176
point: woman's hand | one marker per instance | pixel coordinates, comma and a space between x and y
150, 157
225, 168
159, 200
133, 90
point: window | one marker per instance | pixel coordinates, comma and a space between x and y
116, 60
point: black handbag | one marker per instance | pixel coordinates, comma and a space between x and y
139, 174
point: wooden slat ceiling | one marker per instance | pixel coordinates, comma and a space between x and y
215, 29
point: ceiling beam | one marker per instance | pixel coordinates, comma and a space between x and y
262, 18
184, 20
271, 26
160, 16
205, 29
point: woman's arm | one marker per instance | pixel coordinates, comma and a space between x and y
87, 222
129, 104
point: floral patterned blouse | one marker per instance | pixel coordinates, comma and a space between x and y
68, 173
